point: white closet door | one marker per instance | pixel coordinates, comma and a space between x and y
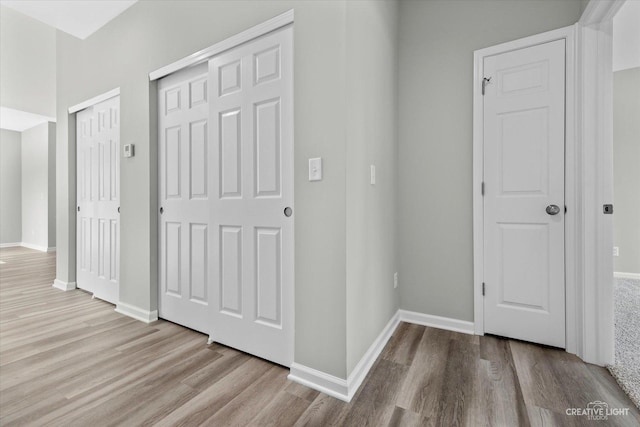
98, 186
524, 123
185, 236
252, 185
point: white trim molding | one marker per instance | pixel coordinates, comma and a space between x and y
137, 313
321, 381
572, 178
345, 389
596, 336
64, 286
439, 322
622, 275
360, 371
34, 247
93, 101
256, 31
338, 387
10, 245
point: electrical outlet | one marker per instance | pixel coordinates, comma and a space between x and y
395, 280
616, 251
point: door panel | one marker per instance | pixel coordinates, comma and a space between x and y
524, 132
98, 172
251, 107
185, 234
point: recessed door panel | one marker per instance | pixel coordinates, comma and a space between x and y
173, 258
525, 267
268, 263
173, 175
198, 270
523, 149
198, 166
231, 270
267, 148
230, 165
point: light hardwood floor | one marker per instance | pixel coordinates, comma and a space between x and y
67, 359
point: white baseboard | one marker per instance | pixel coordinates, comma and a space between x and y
137, 313
360, 371
35, 247
10, 245
338, 387
64, 286
51, 249
445, 323
346, 389
318, 380
621, 275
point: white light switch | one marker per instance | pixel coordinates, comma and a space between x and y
373, 174
315, 169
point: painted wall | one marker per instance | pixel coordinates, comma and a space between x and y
150, 35
626, 173
36, 184
27, 64
371, 140
10, 187
437, 39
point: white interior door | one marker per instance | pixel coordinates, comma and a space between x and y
252, 134
185, 233
524, 134
98, 187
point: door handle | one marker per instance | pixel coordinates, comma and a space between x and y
288, 211
161, 210
553, 210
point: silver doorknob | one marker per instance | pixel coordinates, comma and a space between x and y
553, 210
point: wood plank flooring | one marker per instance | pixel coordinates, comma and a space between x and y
69, 360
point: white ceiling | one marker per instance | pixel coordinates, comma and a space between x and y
626, 36
20, 120
80, 18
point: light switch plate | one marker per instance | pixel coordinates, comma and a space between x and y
315, 169
128, 150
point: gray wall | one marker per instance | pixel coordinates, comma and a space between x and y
10, 187
437, 39
626, 164
371, 139
36, 185
27, 64
150, 35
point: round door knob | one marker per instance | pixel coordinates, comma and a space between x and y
553, 210
288, 211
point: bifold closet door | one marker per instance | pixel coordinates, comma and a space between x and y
251, 211
98, 199
185, 236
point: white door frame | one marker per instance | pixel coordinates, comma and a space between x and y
567, 34
596, 134
588, 183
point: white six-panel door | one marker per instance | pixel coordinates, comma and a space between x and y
226, 178
98, 187
524, 135
185, 174
252, 117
